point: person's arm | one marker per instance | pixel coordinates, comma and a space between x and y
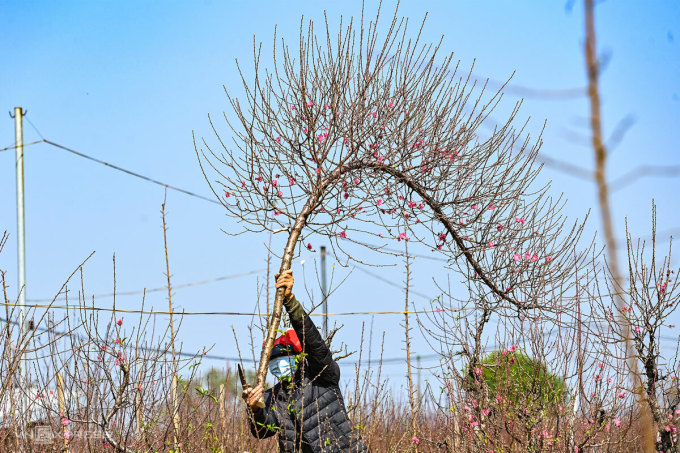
263, 421
319, 357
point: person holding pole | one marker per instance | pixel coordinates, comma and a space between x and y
305, 407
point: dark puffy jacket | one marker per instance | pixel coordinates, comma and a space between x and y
309, 415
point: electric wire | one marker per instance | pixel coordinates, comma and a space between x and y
131, 173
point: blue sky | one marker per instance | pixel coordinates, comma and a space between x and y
128, 82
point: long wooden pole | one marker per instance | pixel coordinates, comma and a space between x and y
286, 261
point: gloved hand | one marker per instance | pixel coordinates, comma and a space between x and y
293, 307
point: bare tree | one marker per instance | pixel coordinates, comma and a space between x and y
371, 135
653, 298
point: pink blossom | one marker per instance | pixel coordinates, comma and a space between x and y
668, 429
438, 310
491, 207
478, 371
304, 130
534, 258
227, 194
309, 246
517, 257
411, 204
491, 244
499, 227
485, 412
67, 435
391, 105
343, 234
609, 380
519, 220
379, 202
402, 236
637, 329
318, 170
548, 258
310, 103
65, 421
415, 440
278, 139
120, 322
622, 395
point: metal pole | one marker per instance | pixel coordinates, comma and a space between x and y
324, 292
21, 245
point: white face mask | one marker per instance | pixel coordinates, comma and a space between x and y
282, 367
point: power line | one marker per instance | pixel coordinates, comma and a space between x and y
224, 313
24, 145
131, 173
391, 283
33, 126
221, 357
160, 289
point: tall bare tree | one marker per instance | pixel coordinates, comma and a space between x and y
369, 136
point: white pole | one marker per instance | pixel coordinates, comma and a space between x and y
21, 248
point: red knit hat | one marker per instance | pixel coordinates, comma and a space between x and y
286, 344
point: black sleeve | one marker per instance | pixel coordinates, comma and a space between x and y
319, 358
263, 422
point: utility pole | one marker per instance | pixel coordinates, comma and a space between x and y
21, 248
324, 292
